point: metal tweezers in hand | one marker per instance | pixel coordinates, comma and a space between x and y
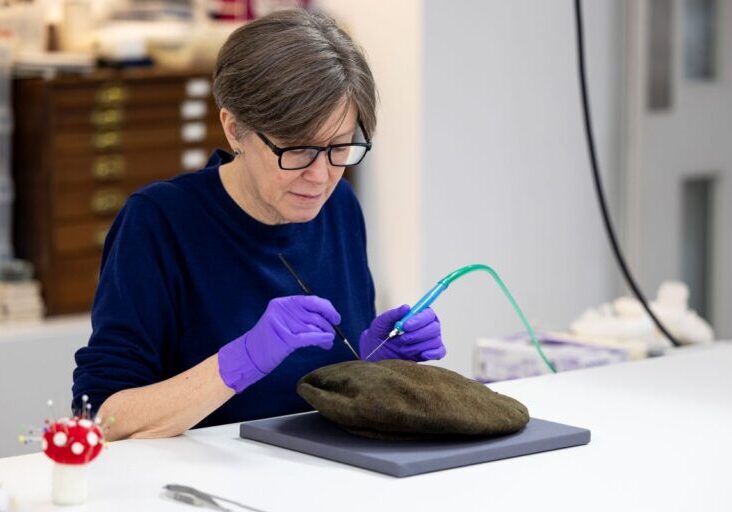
194, 497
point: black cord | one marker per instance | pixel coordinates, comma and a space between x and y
598, 183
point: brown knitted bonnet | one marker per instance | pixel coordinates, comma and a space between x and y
403, 400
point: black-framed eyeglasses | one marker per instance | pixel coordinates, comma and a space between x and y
294, 158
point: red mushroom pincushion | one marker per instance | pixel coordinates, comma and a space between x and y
71, 444
72, 441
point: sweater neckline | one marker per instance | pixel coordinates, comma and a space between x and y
233, 210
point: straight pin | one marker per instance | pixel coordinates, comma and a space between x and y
84, 405
52, 420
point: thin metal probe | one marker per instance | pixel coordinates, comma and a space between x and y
392, 334
307, 290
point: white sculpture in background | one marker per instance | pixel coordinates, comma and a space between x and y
625, 319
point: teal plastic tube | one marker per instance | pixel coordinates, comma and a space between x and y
422, 304
442, 285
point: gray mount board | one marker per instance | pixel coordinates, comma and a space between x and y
312, 434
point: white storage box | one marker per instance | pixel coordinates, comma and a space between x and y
497, 359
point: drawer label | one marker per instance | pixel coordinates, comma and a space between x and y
198, 88
193, 132
193, 109
193, 159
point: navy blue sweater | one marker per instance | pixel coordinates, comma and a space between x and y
185, 270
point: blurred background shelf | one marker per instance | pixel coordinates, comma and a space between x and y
48, 330
82, 144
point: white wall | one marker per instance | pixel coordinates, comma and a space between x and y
506, 178
390, 178
481, 157
36, 364
665, 148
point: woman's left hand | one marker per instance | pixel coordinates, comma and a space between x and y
421, 341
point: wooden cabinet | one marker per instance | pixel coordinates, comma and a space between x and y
81, 145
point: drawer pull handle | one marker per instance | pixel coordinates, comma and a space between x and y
100, 234
107, 117
193, 109
198, 88
193, 132
193, 159
111, 94
108, 168
106, 140
107, 201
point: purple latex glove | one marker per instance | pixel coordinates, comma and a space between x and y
421, 340
287, 324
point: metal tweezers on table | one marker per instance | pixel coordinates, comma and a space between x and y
191, 496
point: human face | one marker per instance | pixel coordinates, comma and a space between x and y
275, 196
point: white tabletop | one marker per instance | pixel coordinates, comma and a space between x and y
661, 440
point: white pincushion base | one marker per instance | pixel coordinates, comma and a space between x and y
69, 484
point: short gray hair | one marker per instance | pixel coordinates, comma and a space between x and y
286, 73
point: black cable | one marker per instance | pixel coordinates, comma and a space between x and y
598, 183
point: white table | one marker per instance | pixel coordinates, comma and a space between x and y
661, 440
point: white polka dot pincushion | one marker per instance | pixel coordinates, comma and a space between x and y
72, 443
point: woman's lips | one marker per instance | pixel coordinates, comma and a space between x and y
307, 197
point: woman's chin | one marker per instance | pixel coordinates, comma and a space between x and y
301, 214
302, 210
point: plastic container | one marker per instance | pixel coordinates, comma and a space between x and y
498, 359
25, 23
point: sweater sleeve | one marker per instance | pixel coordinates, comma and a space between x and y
135, 316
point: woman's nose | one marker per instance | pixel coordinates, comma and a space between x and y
318, 170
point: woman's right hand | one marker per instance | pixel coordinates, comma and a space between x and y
287, 324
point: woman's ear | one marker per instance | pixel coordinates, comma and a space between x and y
229, 124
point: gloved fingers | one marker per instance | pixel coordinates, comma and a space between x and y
323, 307
303, 322
434, 354
421, 319
426, 345
371, 339
315, 321
427, 332
386, 320
323, 340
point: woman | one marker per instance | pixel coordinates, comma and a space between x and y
196, 321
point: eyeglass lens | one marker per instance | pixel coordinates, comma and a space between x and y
340, 155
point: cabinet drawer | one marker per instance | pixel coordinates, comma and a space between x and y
84, 237
161, 137
105, 135
88, 200
121, 116
104, 93
71, 285
139, 166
